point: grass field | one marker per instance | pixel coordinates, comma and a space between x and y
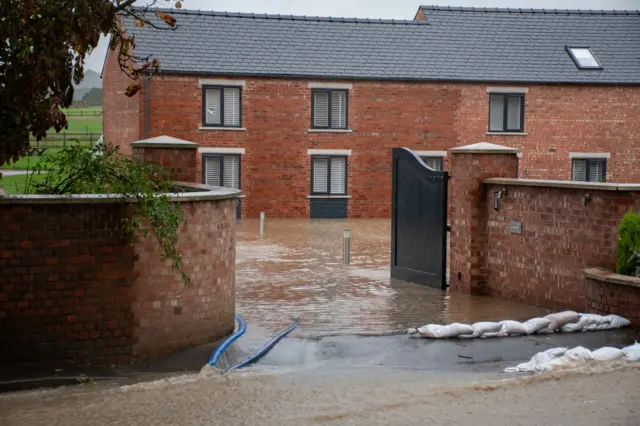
29, 162
17, 184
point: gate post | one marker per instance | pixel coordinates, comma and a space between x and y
175, 155
470, 165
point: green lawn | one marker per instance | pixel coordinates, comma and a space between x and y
16, 184
29, 162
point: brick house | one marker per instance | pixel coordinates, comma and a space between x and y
301, 113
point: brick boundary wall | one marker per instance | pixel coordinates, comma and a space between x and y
560, 237
73, 287
612, 293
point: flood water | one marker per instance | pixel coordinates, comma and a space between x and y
297, 268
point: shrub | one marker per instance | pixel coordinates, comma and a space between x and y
628, 262
79, 171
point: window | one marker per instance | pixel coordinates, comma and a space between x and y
506, 112
329, 108
221, 106
329, 175
436, 163
589, 170
583, 57
221, 170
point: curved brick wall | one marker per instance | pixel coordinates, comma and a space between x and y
72, 286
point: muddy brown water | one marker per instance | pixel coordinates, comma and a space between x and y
296, 269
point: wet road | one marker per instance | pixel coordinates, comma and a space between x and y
297, 269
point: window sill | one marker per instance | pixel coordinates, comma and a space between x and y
329, 131
328, 196
506, 133
232, 129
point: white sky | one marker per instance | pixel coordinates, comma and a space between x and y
390, 9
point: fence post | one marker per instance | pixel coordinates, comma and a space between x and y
64, 139
90, 140
261, 224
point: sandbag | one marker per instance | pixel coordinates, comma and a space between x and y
539, 362
480, 328
632, 353
411, 331
591, 322
616, 321
607, 353
512, 328
434, 331
559, 319
579, 353
535, 324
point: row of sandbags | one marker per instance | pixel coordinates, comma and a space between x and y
566, 322
564, 357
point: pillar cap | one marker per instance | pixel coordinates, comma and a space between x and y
164, 142
484, 148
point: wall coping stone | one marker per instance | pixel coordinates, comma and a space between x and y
164, 142
484, 148
602, 275
601, 186
193, 192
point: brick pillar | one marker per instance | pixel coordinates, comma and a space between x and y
470, 165
175, 155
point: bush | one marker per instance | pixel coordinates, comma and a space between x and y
76, 170
629, 245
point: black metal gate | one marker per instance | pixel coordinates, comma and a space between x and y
419, 221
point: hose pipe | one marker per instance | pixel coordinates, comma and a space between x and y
242, 327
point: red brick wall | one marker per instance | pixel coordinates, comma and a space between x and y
66, 281
384, 115
180, 163
73, 287
560, 238
122, 116
170, 316
607, 298
468, 238
563, 119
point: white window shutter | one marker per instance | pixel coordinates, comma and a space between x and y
212, 171
231, 171
514, 112
320, 175
338, 110
338, 175
595, 171
496, 112
232, 106
579, 170
321, 109
212, 106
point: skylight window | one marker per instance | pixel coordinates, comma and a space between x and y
583, 58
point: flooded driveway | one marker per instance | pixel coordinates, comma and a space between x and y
297, 269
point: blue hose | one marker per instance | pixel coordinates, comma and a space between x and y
266, 348
242, 327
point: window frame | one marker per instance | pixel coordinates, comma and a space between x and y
576, 61
505, 113
424, 159
221, 155
330, 92
589, 161
221, 87
346, 175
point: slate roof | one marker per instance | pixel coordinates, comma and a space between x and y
465, 44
